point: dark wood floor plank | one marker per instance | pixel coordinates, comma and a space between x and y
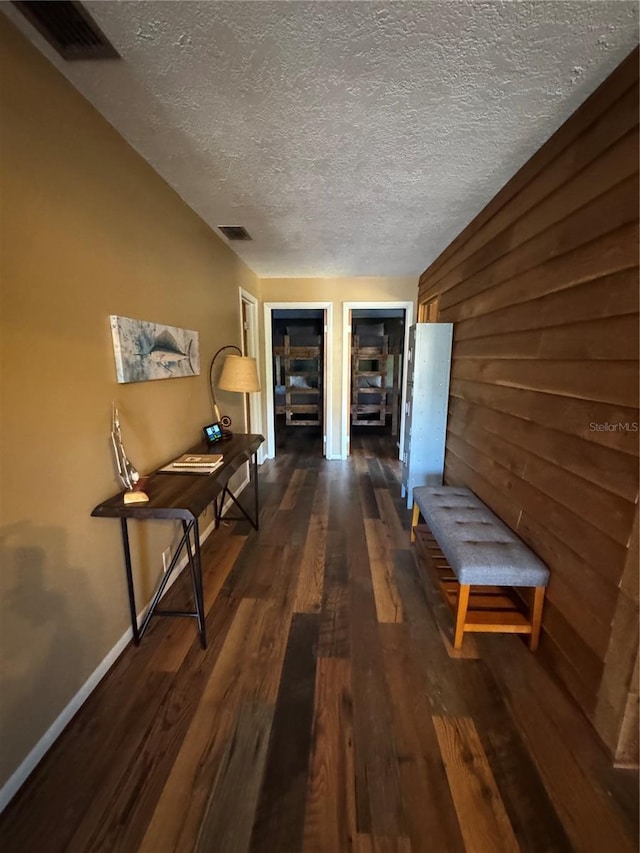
119, 815
392, 517
330, 818
483, 819
376, 476
431, 819
291, 525
175, 822
528, 804
387, 598
358, 460
444, 681
279, 823
566, 761
518, 668
219, 553
241, 581
266, 557
273, 629
311, 579
226, 826
335, 625
378, 794
290, 497
258, 636
400, 504
381, 844
367, 493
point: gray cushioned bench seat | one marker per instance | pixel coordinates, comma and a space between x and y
479, 547
477, 560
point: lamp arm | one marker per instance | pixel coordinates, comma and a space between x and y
214, 402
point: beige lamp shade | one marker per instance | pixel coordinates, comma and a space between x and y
239, 373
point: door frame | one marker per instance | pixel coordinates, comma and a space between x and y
253, 402
269, 307
347, 308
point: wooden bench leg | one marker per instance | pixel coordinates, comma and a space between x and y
461, 614
536, 616
415, 518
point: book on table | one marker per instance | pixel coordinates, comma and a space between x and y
196, 460
193, 463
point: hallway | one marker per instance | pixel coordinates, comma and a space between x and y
329, 712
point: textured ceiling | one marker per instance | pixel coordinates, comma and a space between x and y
349, 138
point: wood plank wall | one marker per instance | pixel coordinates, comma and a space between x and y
543, 290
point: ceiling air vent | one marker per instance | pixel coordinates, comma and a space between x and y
235, 232
69, 28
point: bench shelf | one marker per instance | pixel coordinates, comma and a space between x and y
478, 607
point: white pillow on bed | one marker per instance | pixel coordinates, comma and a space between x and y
298, 382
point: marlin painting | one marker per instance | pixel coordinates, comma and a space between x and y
166, 352
145, 350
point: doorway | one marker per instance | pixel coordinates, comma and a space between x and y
250, 347
298, 377
374, 374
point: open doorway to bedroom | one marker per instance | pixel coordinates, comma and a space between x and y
375, 346
249, 322
298, 392
298, 378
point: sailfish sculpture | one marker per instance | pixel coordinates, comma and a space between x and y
127, 474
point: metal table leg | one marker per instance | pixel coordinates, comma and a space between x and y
195, 567
255, 522
256, 503
130, 589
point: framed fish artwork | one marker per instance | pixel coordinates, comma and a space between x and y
145, 350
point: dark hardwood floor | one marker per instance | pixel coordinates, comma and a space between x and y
329, 712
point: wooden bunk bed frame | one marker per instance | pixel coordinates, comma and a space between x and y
285, 357
388, 398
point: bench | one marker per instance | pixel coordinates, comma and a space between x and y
478, 562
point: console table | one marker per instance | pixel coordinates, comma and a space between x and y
184, 497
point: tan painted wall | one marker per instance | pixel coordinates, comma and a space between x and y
88, 229
337, 291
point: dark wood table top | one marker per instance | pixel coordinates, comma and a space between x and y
185, 496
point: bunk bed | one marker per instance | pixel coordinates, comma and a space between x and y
375, 379
298, 378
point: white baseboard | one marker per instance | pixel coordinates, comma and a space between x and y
19, 776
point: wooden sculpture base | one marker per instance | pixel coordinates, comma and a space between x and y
135, 498
137, 495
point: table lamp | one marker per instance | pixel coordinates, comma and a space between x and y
239, 373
